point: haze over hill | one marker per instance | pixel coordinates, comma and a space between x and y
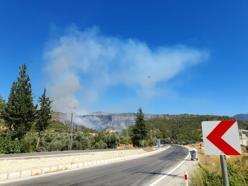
116, 121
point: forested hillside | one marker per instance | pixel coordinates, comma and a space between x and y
183, 129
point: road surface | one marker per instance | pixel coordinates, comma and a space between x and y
140, 171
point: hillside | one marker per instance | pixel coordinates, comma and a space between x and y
119, 121
98, 120
183, 129
241, 117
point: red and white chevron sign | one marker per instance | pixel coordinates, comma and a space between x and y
221, 137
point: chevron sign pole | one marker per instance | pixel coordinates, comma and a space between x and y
221, 138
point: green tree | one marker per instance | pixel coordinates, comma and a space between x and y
139, 133
2, 105
19, 113
43, 115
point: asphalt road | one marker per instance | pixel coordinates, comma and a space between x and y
140, 171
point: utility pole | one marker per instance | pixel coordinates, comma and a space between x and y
224, 170
71, 133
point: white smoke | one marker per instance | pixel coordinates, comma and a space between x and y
83, 64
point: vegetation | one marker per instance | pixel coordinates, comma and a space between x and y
243, 125
112, 140
7, 145
19, 113
183, 129
209, 170
43, 115
139, 131
207, 176
2, 104
125, 137
24, 128
55, 138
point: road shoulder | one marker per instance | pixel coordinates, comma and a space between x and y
175, 176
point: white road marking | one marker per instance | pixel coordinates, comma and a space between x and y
170, 172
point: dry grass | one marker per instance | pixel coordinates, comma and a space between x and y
212, 164
210, 161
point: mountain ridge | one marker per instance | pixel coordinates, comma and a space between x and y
241, 117
117, 121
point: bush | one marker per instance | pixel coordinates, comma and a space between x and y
125, 140
100, 145
77, 145
54, 142
112, 140
81, 142
28, 142
56, 145
8, 146
48, 138
143, 143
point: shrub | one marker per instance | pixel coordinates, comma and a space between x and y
81, 142
28, 142
85, 143
125, 140
77, 145
48, 138
56, 145
100, 145
143, 143
112, 140
8, 146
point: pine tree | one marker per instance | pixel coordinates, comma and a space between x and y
139, 130
19, 113
2, 105
43, 115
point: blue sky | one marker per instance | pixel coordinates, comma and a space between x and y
163, 56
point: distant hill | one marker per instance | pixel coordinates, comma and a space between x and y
118, 121
184, 129
241, 117
102, 121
